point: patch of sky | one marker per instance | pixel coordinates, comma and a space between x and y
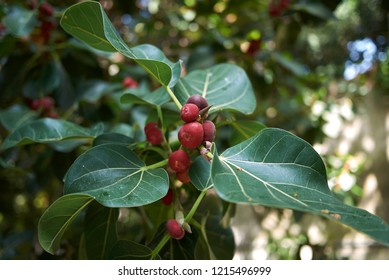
362, 55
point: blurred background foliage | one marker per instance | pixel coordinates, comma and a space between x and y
319, 69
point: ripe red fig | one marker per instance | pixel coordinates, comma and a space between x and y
254, 47
32, 4
45, 104
168, 198
174, 229
183, 176
150, 125
209, 131
189, 112
276, 8
179, 161
46, 29
153, 133
129, 82
52, 114
197, 99
191, 135
46, 9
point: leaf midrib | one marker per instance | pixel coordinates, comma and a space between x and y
68, 221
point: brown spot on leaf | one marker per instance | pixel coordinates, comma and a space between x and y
336, 216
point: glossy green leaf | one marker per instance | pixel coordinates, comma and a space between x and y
65, 94
42, 80
49, 130
93, 90
225, 86
156, 213
120, 128
58, 217
82, 255
100, 230
200, 174
184, 249
130, 250
116, 177
221, 240
275, 168
243, 130
15, 116
142, 96
88, 22
67, 146
216, 241
112, 137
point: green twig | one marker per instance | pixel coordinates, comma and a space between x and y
160, 245
195, 206
155, 165
160, 116
172, 95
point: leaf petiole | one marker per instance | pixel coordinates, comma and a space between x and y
160, 245
195, 206
173, 97
161, 163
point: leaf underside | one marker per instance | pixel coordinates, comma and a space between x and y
55, 220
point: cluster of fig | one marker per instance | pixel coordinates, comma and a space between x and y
46, 18
45, 106
196, 133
